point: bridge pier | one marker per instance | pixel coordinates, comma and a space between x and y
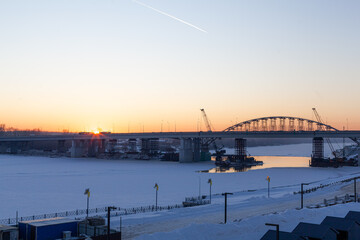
145, 146
150, 146
240, 149
92, 147
132, 145
61, 146
186, 153
77, 148
205, 153
95, 147
4, 147
318, 148
102, 146
14, 149
197, 154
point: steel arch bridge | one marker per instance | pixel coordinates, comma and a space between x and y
280, 123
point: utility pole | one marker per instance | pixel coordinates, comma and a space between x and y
108, 221
210, 182
302, 193
225, 214
277, 229
355, 198
156, 198
120, 226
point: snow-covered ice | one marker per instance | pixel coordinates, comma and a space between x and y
35, 185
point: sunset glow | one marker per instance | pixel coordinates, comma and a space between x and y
132, 69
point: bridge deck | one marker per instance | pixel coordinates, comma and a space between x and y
232, 134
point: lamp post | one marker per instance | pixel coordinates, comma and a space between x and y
302, 194
355, 198
108, 222
277, 229
87, 192
225, 213
268, 180
210, 182
156, 198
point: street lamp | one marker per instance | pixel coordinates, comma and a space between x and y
156, 198
225, 215
108, 222
277, 229
355, 198
87, 192
268, 180
302, 193
210, 182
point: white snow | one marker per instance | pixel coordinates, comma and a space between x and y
35, 185
254, 227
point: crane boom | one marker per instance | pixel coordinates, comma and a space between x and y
218, 150
327, 139
206, 120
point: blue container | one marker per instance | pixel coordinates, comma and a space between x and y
47, 229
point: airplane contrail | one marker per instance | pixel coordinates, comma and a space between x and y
164, 13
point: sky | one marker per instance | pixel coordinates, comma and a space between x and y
130, 66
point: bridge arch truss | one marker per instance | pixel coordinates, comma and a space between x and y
280, 123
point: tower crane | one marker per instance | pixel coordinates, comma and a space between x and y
327, 139
218, 151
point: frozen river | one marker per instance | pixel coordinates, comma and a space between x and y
34, 185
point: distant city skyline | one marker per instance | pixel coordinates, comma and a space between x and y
120, 66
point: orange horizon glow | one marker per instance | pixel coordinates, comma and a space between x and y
153, 127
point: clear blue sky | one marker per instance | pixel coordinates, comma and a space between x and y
117, 64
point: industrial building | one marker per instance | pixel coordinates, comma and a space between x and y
44, 229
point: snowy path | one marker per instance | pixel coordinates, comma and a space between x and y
180, 218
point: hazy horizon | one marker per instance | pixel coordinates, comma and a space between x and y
138, 65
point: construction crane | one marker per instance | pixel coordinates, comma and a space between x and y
206, 120
327, 139
218, 151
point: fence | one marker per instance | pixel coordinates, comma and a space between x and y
309, 190
94, 211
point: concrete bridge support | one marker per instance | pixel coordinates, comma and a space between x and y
145, 146
150, 146
14, 148
92, 147
78, 148
205, 153
186, 152
197, 155
240, 149
132, 145
24, 146
318, 148
61, 146
95, 147
102, 145
4, 147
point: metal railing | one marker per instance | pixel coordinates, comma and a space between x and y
94, 211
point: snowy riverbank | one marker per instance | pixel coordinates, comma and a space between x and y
35, 185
